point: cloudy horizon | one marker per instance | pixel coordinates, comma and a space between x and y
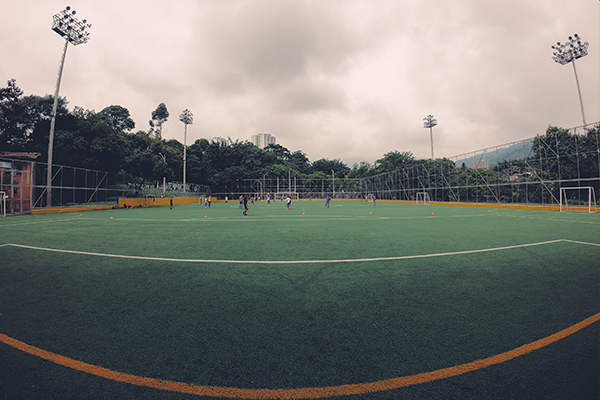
349, 80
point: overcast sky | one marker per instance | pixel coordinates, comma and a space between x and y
345, 79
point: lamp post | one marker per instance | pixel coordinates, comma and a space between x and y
333, 182
74, 31
430, 122
187, 118
569, 52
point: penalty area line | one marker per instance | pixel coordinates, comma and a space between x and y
87, 253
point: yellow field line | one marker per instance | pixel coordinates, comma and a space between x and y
300, 393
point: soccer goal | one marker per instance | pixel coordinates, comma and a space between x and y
3, 204
284, 195
585, 196
150, 200
423, 198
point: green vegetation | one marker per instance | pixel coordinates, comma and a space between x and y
106, 141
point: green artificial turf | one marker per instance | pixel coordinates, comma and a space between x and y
347, 320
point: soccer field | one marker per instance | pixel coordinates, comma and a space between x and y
393, 301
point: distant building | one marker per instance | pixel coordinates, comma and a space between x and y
481, 164
217, 139
262, 140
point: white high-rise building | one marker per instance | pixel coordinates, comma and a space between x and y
217, 139
262, 139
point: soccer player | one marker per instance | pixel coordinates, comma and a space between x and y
289, 202
171, 201
245, 205
268, 199
374, 200
328, 201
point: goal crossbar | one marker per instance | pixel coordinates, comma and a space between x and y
591, 198
150, 200
423, 198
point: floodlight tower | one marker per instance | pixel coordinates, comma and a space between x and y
187, 118
74, 31
430, 122
569, 52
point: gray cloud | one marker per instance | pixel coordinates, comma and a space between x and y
338, 79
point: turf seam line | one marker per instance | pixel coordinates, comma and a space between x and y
292, 261
299, 393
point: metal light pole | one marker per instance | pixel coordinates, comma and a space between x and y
66, 25
568, 53
430, 122
187, 118
333, 181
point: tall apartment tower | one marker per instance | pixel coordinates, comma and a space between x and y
262, 139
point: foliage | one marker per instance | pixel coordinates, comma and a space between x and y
105, 141
159, 117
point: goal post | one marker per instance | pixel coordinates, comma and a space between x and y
571, 197
3, 204
150, 200
423, 198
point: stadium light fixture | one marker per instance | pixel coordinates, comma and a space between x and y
430, 122
568, 52
73, 31
187, 118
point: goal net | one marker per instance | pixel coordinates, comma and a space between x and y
150, 200
3, 204
423, 198
576, 198
284, 195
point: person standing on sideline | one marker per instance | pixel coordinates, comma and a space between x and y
171, 202
245, 205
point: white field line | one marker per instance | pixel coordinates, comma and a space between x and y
597, 222
278, 218
45, 221
295, 261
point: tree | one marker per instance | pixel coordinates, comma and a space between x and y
24, 121
118, 117
361, 170
325, 165
299, 162
159, 116
281, 152
394, 160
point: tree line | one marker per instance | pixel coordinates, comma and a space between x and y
107, 140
